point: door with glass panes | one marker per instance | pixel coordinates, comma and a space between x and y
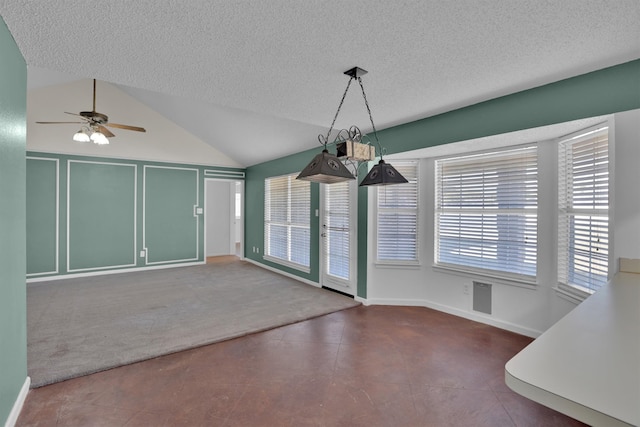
338, 236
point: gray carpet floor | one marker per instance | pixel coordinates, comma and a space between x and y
84, 325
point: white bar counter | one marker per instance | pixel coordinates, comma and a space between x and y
587, 365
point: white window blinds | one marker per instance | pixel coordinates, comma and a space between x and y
286, 220
583, 201
397, 231
486, 212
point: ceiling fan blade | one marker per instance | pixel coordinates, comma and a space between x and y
106, 132
73, 114
59, 123
127, 127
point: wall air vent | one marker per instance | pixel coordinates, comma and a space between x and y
482, 297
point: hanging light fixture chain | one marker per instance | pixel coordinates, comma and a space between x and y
326, 139
366, 103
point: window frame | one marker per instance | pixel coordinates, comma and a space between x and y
503, 276
564, 212
288, 223
399, 164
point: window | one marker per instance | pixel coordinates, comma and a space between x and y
486, 213
286, 221
583, 202
397, 239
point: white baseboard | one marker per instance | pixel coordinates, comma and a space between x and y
361, 300
17, 406
628, 265
118, 271
284, 273
512, 327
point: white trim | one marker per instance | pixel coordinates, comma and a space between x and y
235, 222
136, 159
57, 184
144, 218
17, 406
456, 312
629, 265
284, 273
285, 263
121, 270
519, 281
361, 300
410, 265
222, 174
135, 214
571, 293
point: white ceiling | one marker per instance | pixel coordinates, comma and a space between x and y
260, 79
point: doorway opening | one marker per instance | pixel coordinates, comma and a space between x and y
224, 218
338, 237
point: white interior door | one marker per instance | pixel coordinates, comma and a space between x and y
338, 236
220, 217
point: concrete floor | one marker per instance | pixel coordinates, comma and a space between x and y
365, 366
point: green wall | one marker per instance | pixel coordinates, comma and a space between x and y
601, 92
101, 207
13, 319
171, 228
42, 214
92, 214
254, 211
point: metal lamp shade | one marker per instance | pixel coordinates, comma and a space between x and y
325, 168
383, 174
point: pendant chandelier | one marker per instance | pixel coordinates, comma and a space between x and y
328, 168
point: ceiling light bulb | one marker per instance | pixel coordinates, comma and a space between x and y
99, 138
81, 136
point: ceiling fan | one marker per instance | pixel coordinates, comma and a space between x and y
95, 124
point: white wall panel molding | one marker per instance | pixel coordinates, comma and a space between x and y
133, 249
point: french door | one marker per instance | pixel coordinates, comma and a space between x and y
338, 236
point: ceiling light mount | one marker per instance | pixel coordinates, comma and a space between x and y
355, 72
328, 168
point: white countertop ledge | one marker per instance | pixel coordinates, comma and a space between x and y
587, 365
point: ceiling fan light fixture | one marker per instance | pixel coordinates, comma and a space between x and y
99, 138
81, 136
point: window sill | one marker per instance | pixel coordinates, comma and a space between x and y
518, 281
571, 294
289, 264
415, 265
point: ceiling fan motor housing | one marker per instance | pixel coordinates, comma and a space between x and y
96, 118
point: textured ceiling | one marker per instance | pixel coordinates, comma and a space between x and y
259, 79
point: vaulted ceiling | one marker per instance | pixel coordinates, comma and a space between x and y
261, 79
